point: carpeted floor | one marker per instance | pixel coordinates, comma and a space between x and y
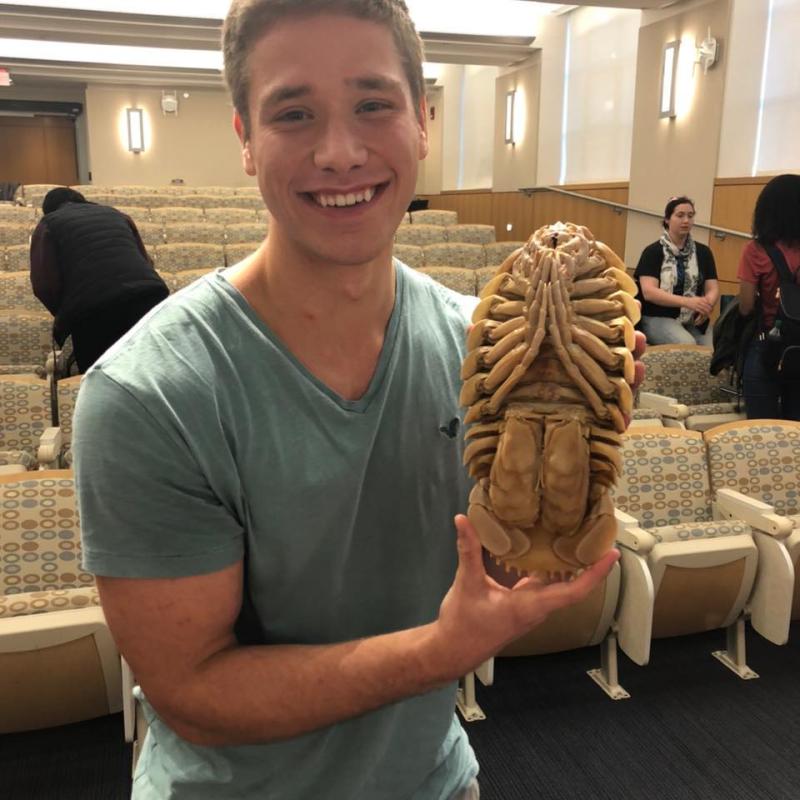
690, 730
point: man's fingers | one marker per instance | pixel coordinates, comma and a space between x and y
640, 344
470, 554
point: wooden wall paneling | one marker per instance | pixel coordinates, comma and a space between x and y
60, 150
21, 150
727, 253
517, 210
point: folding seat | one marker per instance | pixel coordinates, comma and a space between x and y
237, 251
132, 189
25, 338
420, 234
16, 292
17, 258
497, 252
139, 214
112, 200
454, 254
588, 623
239, 232
459, 279
55, 451
703, 573
165, 214
201, 232
679, 386
152, 233
247, 191
143, 200
409, 254
755, 471
182, 279
17, 214
645, 418
58, 662
220, 191
250, 200
434, 217
25, 407
189, 255
472, 234
33, 193
12, 233
230, 216
262, 215
200, 200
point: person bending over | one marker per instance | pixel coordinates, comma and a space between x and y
273, 550
678, 281
776, 224
92, 272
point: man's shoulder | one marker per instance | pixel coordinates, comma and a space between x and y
425, 290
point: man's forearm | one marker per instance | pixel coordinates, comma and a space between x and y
250, 695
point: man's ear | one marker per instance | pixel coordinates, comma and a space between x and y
423, 127
247, 157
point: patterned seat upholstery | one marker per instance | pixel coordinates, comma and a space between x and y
703, 570
136, 200
200, 232
474, 234
139, 214
17, 258
67, 395
189, 276
25, 407
682, 372
240, 232
497, 252
761, 459
471, 256
237, 251
25, 337
132, 189
420, 234
55, 648
12, 233
16, 292
483, 275
152, 233
166, 214
409, 254
252, 201
230, 216
217, 191
179, 257
434, 217
17, 214
458, 279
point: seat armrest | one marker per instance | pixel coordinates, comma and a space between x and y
668, 406
630, 535
735, 505
50, 448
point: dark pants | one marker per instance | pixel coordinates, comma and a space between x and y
96, 332
766, 397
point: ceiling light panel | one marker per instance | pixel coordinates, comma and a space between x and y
470, 17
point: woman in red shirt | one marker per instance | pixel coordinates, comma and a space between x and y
776, 221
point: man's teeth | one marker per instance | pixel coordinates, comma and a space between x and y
345, 199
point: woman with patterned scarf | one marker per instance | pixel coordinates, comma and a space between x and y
678, 281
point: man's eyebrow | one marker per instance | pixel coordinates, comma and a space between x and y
375, 83
284, 93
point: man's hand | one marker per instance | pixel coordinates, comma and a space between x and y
699, 305
478, 616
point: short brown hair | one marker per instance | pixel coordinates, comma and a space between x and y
248, 20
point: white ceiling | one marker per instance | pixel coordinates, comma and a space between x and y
20, 21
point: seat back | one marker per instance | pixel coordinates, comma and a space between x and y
25, 404
472, 234
681, 371
25, 336
434, 216
191, 255
454, 254
664, 478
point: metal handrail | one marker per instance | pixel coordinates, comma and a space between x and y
716, 230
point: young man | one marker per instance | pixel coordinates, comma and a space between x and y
92, 272
274, 549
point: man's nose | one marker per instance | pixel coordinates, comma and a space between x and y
340, 147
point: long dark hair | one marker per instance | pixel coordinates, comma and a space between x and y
776, 217
672, 204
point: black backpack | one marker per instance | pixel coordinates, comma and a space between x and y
782, 353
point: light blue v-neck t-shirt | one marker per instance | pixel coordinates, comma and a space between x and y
200, 441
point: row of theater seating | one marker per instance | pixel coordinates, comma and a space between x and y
709, 533
696, 556
237, 230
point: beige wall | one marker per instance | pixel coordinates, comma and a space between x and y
515, 165
197, 145
676, 156
429, 178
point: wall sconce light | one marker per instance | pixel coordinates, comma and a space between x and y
669, 71
510, 116
707, 52
135, 130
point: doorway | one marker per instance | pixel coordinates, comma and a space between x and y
38, 149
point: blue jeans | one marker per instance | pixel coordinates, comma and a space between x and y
665, 330
766, 397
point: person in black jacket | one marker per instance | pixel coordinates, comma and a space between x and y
90, 269
678, 281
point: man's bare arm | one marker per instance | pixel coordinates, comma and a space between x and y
177, 635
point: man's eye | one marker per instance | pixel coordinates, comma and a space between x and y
293, 115
373, 105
